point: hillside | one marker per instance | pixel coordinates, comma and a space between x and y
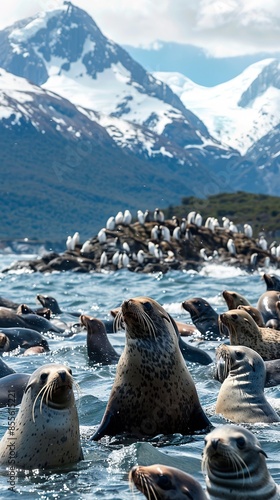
259, 210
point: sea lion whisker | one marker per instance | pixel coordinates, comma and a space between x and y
150, 324
78, 389
118, 322
35, 401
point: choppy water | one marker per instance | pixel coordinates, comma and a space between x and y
103, 473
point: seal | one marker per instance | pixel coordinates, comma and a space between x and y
272, 371
24, 338
46, 429
235, 466
164, 483
244, 372
204, 317
272, 282
153, 391
43, 311
244, 331
52, 304
99, 348
255, 313
9, 319
267, 305
234, 299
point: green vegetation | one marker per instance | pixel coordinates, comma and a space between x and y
259, 210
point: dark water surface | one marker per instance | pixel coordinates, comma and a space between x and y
103, 473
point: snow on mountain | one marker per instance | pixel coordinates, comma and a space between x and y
64, 51
237, 112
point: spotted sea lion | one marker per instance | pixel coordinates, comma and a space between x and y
204, 317
234, 299
235, 466
244, 331
45, 433
153, 391
99, 348
244, 382
165, 483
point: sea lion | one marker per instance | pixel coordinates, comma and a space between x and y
12, 388
234, 299
267, 305
204, 317
244, 331
165, 483
43, 311
244, 382
99, 348
272, 282
153, 391
235, 466
45, 433
9, 319
52, 304
24, 338
272, 372
255, 313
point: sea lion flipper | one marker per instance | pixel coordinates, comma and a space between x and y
106, 427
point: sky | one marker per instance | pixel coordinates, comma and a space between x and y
224, 28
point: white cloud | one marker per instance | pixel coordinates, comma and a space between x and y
222, 27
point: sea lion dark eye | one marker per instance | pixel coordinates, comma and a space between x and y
148, 306
239, 354
44, 377
164, 482
70, 371
240, 442
234, 316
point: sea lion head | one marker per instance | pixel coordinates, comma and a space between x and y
234, 299
229, 451
163, 482
50, 303
144, 318
51, 385
238, 359
239, 322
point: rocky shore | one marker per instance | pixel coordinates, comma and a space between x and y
155, 246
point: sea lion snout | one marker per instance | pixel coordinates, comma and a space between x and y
214, 443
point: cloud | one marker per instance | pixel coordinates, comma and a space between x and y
221, 27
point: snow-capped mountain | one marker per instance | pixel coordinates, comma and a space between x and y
237, 112
64, 50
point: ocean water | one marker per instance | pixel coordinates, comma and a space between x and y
104, 471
